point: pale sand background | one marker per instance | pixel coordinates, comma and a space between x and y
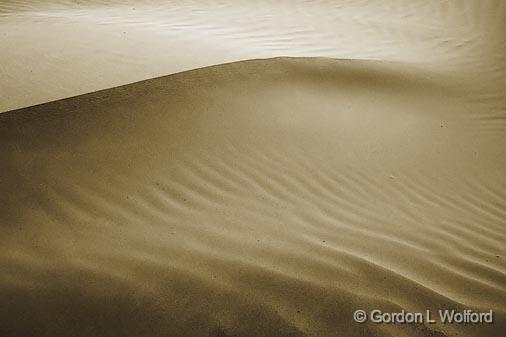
55, 49
260, 198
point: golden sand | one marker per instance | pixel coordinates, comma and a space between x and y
268, 197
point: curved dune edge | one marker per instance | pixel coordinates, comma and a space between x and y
259, 198
61, 48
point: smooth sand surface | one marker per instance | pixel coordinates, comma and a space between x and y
267, 197
53, 49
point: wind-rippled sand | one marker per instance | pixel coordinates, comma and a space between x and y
267, 197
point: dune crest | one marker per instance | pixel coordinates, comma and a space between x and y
54, 49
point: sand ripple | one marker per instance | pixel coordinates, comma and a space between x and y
217, 202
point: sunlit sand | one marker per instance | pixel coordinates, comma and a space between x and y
274, 167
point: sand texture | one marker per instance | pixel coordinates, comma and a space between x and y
254, 195
52, 49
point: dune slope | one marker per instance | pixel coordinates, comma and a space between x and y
54, 49
259, 198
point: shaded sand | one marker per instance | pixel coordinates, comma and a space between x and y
54, 49
259, 198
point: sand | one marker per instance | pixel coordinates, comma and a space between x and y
54, 49
265, 197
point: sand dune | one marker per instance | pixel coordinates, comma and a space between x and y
55, 48
247, 194
258, 198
